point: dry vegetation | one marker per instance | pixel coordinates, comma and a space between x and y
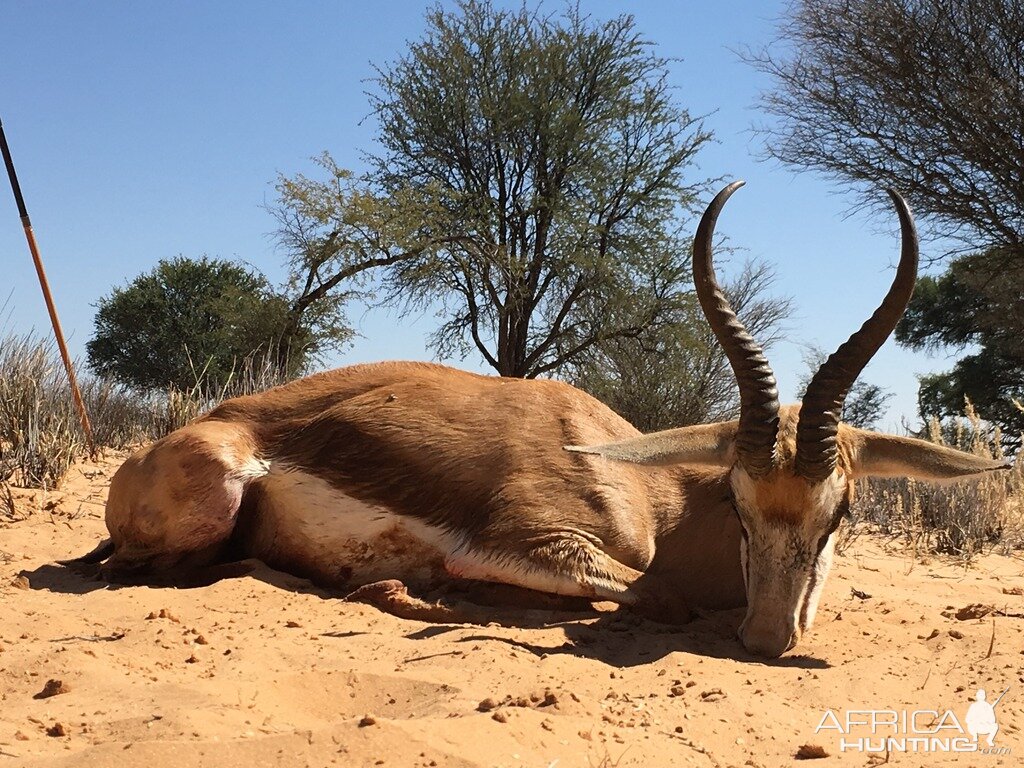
961, 519
40, 439
39, 436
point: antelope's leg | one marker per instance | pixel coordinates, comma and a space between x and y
571, 563
568, 563
562, 563
392, 596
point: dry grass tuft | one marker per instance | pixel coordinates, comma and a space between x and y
176, 408
39, 433
119, 417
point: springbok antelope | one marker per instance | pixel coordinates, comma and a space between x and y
421, 473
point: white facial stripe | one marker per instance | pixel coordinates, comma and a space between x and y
817, 585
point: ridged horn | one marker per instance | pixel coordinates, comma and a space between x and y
759, 395
816, 450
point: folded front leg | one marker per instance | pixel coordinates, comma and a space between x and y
570, 562
563, 562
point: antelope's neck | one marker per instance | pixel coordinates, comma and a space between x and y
697, 546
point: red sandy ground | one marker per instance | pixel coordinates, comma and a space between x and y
264, 670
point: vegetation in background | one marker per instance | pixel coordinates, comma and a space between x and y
337, 238
926, 97
530, 189
676, 373
192, 320
173, 408
554, 160
39, 432
962, 519
978, 306
532, 173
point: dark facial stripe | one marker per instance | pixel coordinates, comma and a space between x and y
746, 556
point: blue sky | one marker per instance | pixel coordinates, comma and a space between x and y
146, 130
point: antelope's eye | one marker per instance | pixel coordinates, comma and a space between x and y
843, 510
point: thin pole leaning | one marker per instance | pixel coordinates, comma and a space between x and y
45, 285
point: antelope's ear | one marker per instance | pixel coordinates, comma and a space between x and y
709, 444
877, 455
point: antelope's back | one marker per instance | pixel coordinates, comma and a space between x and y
452, 448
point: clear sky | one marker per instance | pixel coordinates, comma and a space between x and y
146, 130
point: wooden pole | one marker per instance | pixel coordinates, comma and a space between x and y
45, 285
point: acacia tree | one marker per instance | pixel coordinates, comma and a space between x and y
532, 174
337, 235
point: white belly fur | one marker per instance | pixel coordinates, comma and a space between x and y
305, 520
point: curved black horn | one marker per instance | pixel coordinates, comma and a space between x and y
816, 451
759, 395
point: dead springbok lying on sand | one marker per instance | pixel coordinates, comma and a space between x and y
421, 473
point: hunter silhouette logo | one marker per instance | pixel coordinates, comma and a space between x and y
918, 730
981, 717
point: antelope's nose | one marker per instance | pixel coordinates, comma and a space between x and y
769, 642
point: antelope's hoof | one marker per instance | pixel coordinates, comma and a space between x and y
379, 593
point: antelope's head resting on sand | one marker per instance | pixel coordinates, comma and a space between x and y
374, 477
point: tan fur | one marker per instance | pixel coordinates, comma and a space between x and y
478, 457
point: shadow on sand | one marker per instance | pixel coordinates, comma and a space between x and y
615, 637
